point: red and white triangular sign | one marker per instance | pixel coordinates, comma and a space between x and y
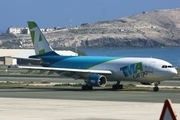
167, 112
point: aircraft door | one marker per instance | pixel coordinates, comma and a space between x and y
151, 68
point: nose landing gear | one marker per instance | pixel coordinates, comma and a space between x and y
156, 88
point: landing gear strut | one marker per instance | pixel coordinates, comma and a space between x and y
156, 88
87, 87
117, 86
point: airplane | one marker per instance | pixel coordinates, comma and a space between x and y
97, 70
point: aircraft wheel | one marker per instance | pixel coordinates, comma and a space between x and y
120, 86
83, 87
115, 87
156, 89
87, 87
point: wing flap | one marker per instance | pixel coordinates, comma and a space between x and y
67, 69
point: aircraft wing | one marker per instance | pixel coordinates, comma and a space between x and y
67, 69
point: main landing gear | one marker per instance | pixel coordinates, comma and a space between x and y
156, 88
117, 86
87, 87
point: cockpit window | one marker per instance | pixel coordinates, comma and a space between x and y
166, 66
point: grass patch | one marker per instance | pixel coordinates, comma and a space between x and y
45, 82
8, 83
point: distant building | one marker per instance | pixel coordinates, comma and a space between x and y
19, 56
59, 28
22, 30
144, 12
43, 30
18, 30
83, 24
49, 29
25, 30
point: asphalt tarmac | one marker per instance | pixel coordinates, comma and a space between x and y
71, 103
75, 93
53, 109
100, 94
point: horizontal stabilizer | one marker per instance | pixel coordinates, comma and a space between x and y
35, 59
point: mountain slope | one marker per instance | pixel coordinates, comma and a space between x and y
153, 29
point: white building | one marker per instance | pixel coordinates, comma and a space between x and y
49, 29
23, 30
18, 30
10, 56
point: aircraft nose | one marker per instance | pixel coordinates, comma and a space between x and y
173, 72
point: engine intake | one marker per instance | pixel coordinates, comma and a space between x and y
96, 80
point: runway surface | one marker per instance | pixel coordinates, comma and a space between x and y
71, 103
100, 94
50, 109
75, 93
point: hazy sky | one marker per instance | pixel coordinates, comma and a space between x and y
51, 13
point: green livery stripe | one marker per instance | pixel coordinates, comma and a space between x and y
101, 63
41, 51
32, 25
40, 38
32, 36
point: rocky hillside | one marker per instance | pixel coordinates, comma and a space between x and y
154, 29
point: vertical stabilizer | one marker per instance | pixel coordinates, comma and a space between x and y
41, 46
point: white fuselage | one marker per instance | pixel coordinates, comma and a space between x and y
138, 69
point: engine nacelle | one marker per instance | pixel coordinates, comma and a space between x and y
146, 83
96, 80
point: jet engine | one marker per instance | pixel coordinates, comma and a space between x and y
96, 80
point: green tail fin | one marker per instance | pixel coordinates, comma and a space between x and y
41, 46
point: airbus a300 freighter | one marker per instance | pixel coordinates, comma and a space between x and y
96, 71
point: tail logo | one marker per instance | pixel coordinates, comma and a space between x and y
41, 45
